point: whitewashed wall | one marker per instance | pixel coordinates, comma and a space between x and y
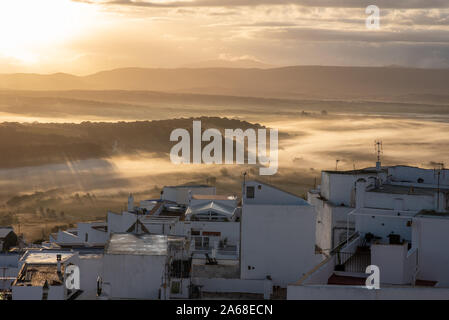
431, 236
134, 276
387, 201
35, 293
91, 266
382, 226
278, 241
231, 285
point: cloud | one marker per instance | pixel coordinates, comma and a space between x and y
402, 4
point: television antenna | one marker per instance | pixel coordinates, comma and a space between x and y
437, 171
378, 147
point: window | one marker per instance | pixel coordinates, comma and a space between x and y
250, 192
195, 232
206, 242
175, 287
198, 242
201, 243
86, 238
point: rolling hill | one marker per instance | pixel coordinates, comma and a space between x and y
287, 82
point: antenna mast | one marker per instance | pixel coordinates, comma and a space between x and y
438, 170
379, 150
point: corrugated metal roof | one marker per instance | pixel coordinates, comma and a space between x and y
143, 244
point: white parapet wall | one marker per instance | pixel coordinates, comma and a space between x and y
335, 292
221, 285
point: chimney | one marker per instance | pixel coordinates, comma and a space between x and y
45, 290
360, 187
58, 261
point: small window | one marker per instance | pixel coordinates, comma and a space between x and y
175, 287
198, 242
420, 180
250, 192
86, 238
259, 187
195, 232
206, 242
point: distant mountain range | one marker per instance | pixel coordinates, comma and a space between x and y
286, 82
237, 63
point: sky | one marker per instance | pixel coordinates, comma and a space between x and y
87, 36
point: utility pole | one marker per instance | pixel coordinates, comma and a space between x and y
438, 170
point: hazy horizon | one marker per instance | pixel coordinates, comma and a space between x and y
85, 36
91, 89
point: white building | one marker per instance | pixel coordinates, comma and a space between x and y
145, 267
333, 200
86, 234
9, 268
42, 276
277, 234
209, 221
401, 221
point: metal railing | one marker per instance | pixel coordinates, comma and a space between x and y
353, 261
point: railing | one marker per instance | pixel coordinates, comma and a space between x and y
353, 262
180, 268
228, 252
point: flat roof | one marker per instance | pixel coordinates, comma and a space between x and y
384, 212
45, 257
213, 197
358, 171
191, 186
433, 214
410, 190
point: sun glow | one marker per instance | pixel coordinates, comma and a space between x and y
29, 27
